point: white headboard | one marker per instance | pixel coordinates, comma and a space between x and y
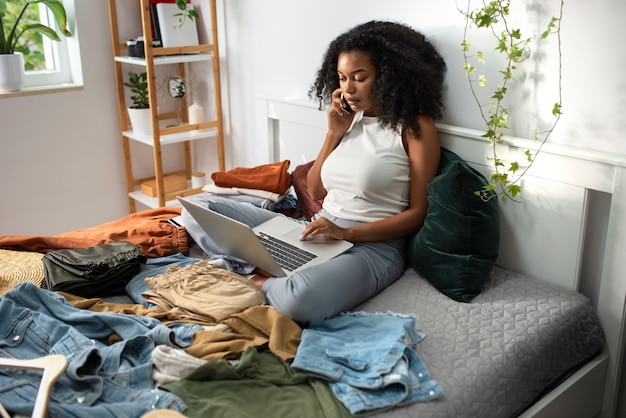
570, 229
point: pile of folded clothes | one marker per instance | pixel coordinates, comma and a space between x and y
266, 186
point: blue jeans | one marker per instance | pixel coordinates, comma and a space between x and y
368, 360
318, 292
101, 380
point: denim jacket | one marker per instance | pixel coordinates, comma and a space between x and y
101, 380
368, 359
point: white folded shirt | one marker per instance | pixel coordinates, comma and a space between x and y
264, 194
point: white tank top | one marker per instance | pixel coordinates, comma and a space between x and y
367, 175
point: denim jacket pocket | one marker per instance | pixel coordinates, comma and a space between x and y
348, 361
13, 335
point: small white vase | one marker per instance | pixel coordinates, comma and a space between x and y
141, 121
11, 72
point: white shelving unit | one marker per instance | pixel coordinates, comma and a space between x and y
163, 131
163, 60
167, 139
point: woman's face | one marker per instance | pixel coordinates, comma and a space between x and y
356, 79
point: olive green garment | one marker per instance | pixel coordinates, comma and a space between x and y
258, 385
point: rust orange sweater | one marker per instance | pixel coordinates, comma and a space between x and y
271, 177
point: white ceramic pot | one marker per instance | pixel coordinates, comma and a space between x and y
11, 72
141, 120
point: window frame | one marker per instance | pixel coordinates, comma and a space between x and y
66, 68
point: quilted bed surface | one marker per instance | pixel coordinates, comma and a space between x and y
492, 357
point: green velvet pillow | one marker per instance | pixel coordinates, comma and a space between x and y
457, 247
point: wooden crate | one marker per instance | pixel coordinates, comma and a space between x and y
171, 183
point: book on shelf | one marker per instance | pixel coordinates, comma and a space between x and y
172, 31
154, 20
156, 31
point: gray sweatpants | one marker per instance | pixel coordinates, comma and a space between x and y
320, 291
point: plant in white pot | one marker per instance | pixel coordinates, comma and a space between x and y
139, 112
13, 29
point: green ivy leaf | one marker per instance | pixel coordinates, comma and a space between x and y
529, 156
514, 189
502, 45
551, 27
516, 53
507, 74
489, 134
504, 6
499, 93
469, 69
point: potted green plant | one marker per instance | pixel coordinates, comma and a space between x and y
139, 112
12, 62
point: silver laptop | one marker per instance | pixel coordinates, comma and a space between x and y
273, 246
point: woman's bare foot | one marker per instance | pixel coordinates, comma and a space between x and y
258, 280
259, 277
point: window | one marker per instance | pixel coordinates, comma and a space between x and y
47, 63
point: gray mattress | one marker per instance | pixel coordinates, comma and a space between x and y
494, 356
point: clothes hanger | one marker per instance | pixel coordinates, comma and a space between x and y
53, 367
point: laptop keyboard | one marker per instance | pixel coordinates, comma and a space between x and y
287, 256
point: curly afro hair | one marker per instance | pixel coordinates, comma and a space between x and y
409, 72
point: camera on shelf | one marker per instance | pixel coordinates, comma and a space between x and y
136, 47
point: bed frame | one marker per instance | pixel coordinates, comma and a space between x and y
570, 231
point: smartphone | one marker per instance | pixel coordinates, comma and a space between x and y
345, 106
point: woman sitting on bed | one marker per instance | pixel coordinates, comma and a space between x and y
372, 171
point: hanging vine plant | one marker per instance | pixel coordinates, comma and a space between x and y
186, 12
494, 16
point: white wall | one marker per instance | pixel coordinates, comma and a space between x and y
275, 47
61, 162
